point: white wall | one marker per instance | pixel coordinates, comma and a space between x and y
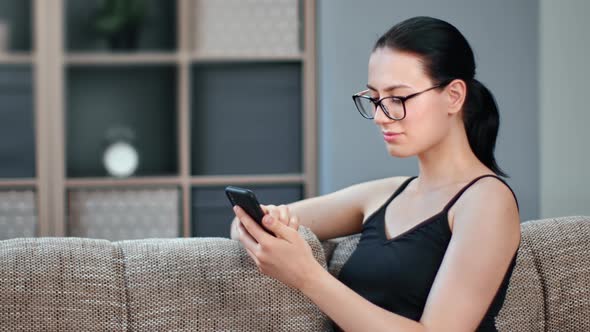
564, 107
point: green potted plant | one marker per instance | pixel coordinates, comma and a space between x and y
120, 21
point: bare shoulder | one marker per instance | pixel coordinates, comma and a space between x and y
374, 193
488, 203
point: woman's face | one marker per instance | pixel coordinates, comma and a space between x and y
427, 121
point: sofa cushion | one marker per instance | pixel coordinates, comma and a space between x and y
561, 250
345, 247
211, 284
61, 284
524, 305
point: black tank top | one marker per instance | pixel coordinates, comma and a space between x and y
397, 274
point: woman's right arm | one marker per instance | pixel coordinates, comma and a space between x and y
340, 213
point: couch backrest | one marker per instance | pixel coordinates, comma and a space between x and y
550, 287
52, 284
199, 284
550, 290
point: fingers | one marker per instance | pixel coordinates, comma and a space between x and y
281, 213
265, 208
279, 229
275, 213
247, 240
294, 223
254, 258
251, 226
284, 213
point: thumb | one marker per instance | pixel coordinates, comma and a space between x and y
278, 228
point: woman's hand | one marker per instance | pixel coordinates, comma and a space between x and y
281, 213
286, 256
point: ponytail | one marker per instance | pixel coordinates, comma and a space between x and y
481, 119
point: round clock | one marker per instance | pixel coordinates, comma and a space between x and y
120, 159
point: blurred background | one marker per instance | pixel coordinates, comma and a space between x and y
125, 119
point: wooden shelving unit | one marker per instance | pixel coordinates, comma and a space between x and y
65, 64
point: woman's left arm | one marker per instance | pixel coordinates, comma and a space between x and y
486, 236
484, 240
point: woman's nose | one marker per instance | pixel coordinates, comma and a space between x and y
380, 116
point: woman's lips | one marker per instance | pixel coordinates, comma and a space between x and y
391, 136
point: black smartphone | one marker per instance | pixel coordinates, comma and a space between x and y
245, 199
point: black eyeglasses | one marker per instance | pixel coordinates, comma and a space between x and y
394, 107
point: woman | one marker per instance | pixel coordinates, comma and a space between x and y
437, 254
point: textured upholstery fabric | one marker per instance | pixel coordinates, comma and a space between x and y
201, 284
524, 306
53, 284
550, 287
342, 252
329, 247
211, 284
561, 254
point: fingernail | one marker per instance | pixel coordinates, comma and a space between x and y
269, 220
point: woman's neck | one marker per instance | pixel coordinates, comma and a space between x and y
449, 162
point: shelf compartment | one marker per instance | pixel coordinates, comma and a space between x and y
246, 119
247, 27
17, 133
18, 214
139, 98
212, 213
17, 15
158, 31
124, 214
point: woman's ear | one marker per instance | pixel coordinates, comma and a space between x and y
456, 95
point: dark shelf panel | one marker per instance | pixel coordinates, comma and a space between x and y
17, 13
246, 118
141, 98
212, 213
17, 122
158, 31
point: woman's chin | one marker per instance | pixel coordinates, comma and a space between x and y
398, 152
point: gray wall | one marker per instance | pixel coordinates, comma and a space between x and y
564, 111
503, 35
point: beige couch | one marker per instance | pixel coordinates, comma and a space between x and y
210, 284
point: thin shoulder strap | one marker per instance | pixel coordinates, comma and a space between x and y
456, 197
400, 189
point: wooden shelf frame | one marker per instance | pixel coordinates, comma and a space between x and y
159, 58
17, 58
8, 184
121, 58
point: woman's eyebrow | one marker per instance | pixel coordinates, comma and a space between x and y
389, 88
